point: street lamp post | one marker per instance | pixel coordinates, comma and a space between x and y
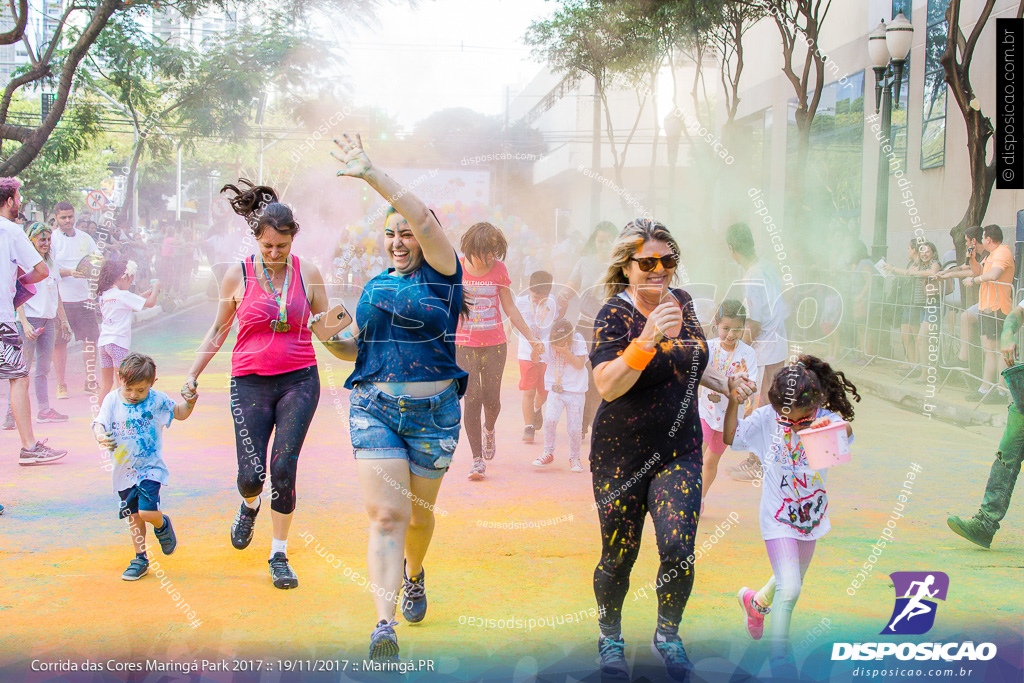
673, 132
888, 47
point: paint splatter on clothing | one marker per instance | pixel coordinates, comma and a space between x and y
672, 496
659, 413
407, 328
137, 429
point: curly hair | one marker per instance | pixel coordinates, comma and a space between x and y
110, 272
260, 207
811, 382
629, 242
483, 240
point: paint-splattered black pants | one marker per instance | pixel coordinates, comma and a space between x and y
672, 497
283, 404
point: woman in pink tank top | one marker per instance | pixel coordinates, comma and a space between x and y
274, 382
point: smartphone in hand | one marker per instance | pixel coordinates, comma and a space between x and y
331, 323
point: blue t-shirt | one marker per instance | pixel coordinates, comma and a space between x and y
407, 328
137, 430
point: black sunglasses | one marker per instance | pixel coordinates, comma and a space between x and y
650, 263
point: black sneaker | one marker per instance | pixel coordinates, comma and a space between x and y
669, 649
281, 573
384, 642
612, 655
166, 536
137, 568
242, 527
414, 601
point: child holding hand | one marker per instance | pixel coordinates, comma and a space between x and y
129, 424
565, 379
794, 503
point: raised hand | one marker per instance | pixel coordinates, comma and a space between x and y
352, 156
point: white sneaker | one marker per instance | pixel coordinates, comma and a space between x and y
574, 465
543, 460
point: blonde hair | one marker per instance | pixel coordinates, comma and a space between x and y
629, 242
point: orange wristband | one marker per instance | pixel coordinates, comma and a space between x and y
636, 357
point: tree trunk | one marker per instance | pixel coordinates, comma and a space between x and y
983, 178
33, 144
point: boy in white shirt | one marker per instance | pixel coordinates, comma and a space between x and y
537, 307
565, 377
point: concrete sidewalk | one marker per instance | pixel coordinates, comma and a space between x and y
884, 380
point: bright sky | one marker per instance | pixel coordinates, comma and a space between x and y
445, 53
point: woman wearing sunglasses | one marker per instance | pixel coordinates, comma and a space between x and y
649, 357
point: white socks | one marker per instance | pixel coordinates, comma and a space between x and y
277, 546
255, 505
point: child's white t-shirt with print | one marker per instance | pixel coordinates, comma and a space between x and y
117, 306
741, 359
560, 371
538, 317
137, 429
794, 502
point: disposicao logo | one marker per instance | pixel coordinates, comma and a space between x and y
914, 614
916, 595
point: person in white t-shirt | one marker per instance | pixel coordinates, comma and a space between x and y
766, 321
794, 503
538, 309
565, 379
17, 253
731, 355
117, 304
69, 247
41, 318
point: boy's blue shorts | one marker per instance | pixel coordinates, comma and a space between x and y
143, 496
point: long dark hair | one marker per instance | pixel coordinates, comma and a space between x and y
605, 227
260, 207
811, 382
110, 272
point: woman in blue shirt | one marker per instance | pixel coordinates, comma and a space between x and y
405, 417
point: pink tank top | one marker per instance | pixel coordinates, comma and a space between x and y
259, 349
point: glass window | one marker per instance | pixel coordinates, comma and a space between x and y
933, 109
835, 157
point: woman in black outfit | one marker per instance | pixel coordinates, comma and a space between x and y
649, 356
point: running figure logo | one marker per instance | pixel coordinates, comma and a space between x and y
916, 593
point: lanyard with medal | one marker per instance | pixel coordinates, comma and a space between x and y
281, 324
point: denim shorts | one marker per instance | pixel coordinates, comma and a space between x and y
423, 431
143, 496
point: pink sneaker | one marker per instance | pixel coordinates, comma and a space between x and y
755, 619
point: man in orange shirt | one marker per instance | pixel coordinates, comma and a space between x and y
995, 302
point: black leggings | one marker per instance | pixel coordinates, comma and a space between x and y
485, 365
672, 496
259, 404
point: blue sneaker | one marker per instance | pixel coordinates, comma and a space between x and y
669, 649
414, 601
1, 509
137, 568
384, 642
166, 536
612, 655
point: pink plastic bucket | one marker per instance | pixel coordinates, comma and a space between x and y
826, 446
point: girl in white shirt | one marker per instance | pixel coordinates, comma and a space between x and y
117, 304
794, 503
